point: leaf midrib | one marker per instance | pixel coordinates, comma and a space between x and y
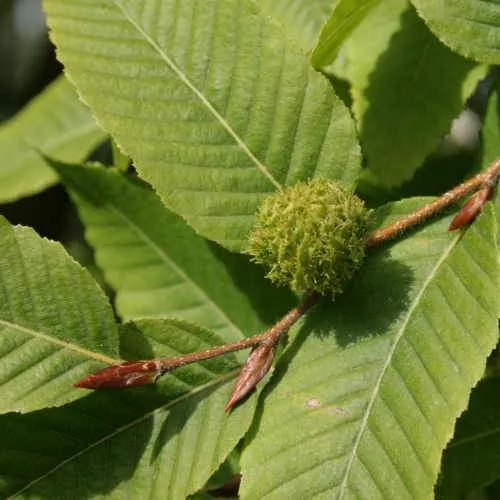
376, 389
218, 380
187, 82
66, 345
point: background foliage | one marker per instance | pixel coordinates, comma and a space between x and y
192, 112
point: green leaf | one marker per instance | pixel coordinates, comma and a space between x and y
490, 131
407, 88
302, 20
148, 443
159, 266
212, 100
53, 316
56, 123
346, 15
469, 27
365, 397
471, 459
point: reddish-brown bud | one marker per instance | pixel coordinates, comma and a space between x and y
256, 366
126, 374
472, 208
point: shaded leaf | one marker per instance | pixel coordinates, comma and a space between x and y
158, 266
346, 15
54, 122
55, 322
407, 88
472, 458
365, 397
214, 103
470, 27
162, 443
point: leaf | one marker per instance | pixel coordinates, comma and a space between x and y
490, 133
471, 458
407, 88
159, 266
346, 15
214, 103
54, 122
491, 127
53, 316
364, 398
471, 28
302, 20
162, 443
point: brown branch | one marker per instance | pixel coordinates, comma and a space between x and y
132, 373
487, 178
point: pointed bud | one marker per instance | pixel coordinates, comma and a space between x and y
126, 374
256, 366
471, 209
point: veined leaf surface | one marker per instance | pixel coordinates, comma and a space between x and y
159, 266
162, 442
470, 27
365, 397
56, 123
407, 87
302, 20
56, 324
214, 102
346, 15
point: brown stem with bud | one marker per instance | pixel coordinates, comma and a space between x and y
132, 373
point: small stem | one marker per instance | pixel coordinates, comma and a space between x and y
488, 177
271, 335
137, 372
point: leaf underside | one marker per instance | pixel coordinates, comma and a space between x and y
346, 15
57, 124
215, 104
365, 397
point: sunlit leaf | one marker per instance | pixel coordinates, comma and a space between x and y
470, 27
213, 101
56, 324
302, 20
158, 266
365, 397
346, 15
407, 88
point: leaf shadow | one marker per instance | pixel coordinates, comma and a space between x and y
377, 297
268, 302
179, 415
79, 438
384, 120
